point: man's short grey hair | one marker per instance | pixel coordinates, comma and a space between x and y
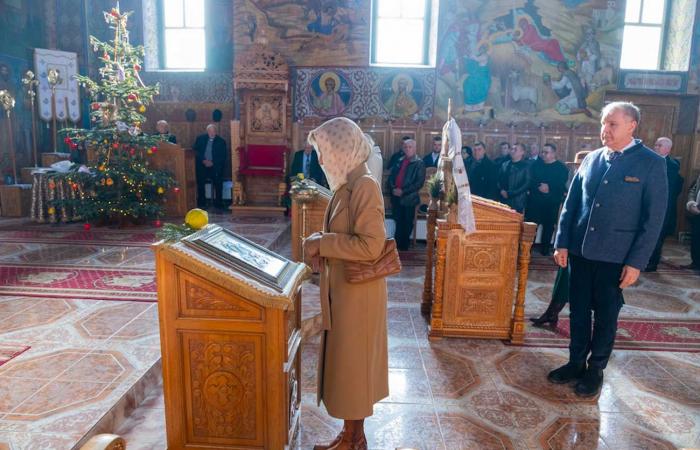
628, 108
665, 141
211, 125
410, 141
162, 122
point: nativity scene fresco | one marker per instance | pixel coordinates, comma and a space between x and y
519, 60
309, 32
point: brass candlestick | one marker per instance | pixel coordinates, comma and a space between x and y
30, 82
8, 102
53, 76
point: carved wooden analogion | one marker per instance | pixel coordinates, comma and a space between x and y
307, 218
231, 356
475, 275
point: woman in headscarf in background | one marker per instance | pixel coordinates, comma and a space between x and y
353, 369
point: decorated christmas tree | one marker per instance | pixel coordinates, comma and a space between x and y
118, 183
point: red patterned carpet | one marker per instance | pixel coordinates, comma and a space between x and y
632, 334
7, 352
73, 282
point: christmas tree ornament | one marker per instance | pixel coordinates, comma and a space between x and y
158, 223
86, 226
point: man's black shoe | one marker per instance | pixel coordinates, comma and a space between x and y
590, 383
650, 269
566, 373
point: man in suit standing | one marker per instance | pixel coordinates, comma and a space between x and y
433, 158
662, 147
548, 177
482, 172
405, 180
608, 227
693, 208
306, 161
210, 161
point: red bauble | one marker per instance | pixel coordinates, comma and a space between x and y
115, 145
137, 67
158, 223
96, 106
176, 190
132, 152
73, 145
131, 97
66, 140
154, 149
86, 226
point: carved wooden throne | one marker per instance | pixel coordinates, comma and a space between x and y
261, 83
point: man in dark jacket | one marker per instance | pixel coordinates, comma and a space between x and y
608, 227
306, 161
482, 172
548, 183
662, 147
210, 161
405, 180
433, 158
693, 207
514, 179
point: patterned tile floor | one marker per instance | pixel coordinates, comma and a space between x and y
86, 356
448, 394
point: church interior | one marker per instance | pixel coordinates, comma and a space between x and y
158, 186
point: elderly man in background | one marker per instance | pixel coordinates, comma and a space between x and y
305, 161
163, 129
405, 180
210, 162
662, 147
608, 227
693, 208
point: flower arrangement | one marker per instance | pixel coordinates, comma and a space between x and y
302, 190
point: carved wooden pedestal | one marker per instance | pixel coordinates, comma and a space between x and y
307, 218
231, 356
475, 275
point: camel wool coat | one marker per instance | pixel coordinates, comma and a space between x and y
353, 369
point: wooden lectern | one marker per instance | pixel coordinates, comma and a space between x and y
307, 218
230, 321
179, 162
475, 275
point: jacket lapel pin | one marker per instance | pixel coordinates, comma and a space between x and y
631, 180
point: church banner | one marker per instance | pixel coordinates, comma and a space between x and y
364, 92
67, 92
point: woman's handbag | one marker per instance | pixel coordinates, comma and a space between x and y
387, 264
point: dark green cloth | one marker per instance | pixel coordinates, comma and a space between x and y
560, 290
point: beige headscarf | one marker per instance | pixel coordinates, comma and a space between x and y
342, 146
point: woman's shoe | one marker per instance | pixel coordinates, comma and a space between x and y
331, 445
550, 317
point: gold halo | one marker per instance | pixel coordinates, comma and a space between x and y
327, 75
402, 76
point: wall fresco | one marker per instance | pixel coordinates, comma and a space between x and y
520, 60
363, 92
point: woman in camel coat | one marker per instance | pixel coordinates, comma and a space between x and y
353, 359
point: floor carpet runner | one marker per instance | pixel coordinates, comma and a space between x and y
632, 334
72, 282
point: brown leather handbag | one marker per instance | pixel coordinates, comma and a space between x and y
387, 264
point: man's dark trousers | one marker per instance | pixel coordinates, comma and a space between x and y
203, 173
403, 216
594, 288
695, 240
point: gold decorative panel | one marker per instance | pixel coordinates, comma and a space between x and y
266, 113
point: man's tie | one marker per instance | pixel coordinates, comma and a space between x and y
612, 156
306, 166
